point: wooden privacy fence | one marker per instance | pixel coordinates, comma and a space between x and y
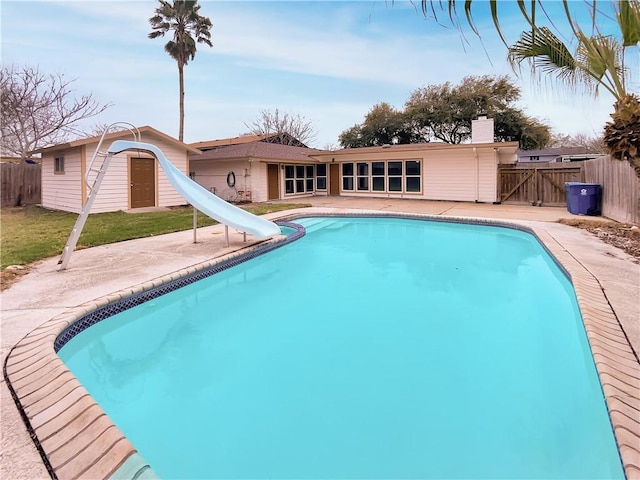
20, 184
620, 188
537, 184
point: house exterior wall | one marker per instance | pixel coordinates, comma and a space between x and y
67, 192
456, 173
462, 176
259, 184
63, 191
212, 175
465, 173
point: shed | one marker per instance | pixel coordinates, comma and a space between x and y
133, 179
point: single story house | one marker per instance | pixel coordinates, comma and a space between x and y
558, 154
133, 179
242, 170
254, 168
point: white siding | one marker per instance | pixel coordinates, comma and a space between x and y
259, 181
166, 195
450, 176
459, 176
212, 175
114, 192
62, 191
488, 176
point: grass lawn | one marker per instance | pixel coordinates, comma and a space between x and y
32, 233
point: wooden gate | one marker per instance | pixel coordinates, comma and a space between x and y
537, 184
21, 184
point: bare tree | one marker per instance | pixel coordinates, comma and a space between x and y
592, 143
286, 129
39, 110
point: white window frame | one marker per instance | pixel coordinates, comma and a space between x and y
58, 165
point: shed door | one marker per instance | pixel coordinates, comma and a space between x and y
273, 192
143, 182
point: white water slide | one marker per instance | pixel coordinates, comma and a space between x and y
201, 198
195, 194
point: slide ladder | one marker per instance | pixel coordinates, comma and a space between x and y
92, 181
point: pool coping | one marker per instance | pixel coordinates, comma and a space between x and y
76, 439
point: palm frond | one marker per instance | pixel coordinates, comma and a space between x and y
600, 58
545, 51
628, 16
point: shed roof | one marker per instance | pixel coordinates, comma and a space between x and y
118, 135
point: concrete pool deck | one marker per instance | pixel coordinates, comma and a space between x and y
94, 273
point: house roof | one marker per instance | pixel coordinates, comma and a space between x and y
266, 137
222, 142
117, 135
258, 149
418, 147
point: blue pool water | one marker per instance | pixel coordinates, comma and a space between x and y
371, 348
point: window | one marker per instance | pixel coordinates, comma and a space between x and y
534, 158
413, 176
362, 179
321, 176
289, 175
377, 177
347, 176
401, 176
58, 165
309, 178
299, 178
394, 173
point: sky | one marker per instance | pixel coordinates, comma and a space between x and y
327, 61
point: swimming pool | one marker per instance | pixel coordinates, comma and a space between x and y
379, 348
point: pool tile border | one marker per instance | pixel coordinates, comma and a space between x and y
77, 440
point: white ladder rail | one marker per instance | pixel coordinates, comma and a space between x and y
84, 214
92, 185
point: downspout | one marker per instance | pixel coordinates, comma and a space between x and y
496, 164
475, 152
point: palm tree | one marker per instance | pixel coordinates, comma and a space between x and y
597, 63
189, 28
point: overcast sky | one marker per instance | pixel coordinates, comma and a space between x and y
327, 61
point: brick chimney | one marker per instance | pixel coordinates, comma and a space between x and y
482, 129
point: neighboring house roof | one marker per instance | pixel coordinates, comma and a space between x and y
553, 152
267, 138
118, 135
258, 149
7, 159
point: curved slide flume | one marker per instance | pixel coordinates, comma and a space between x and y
200, 197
